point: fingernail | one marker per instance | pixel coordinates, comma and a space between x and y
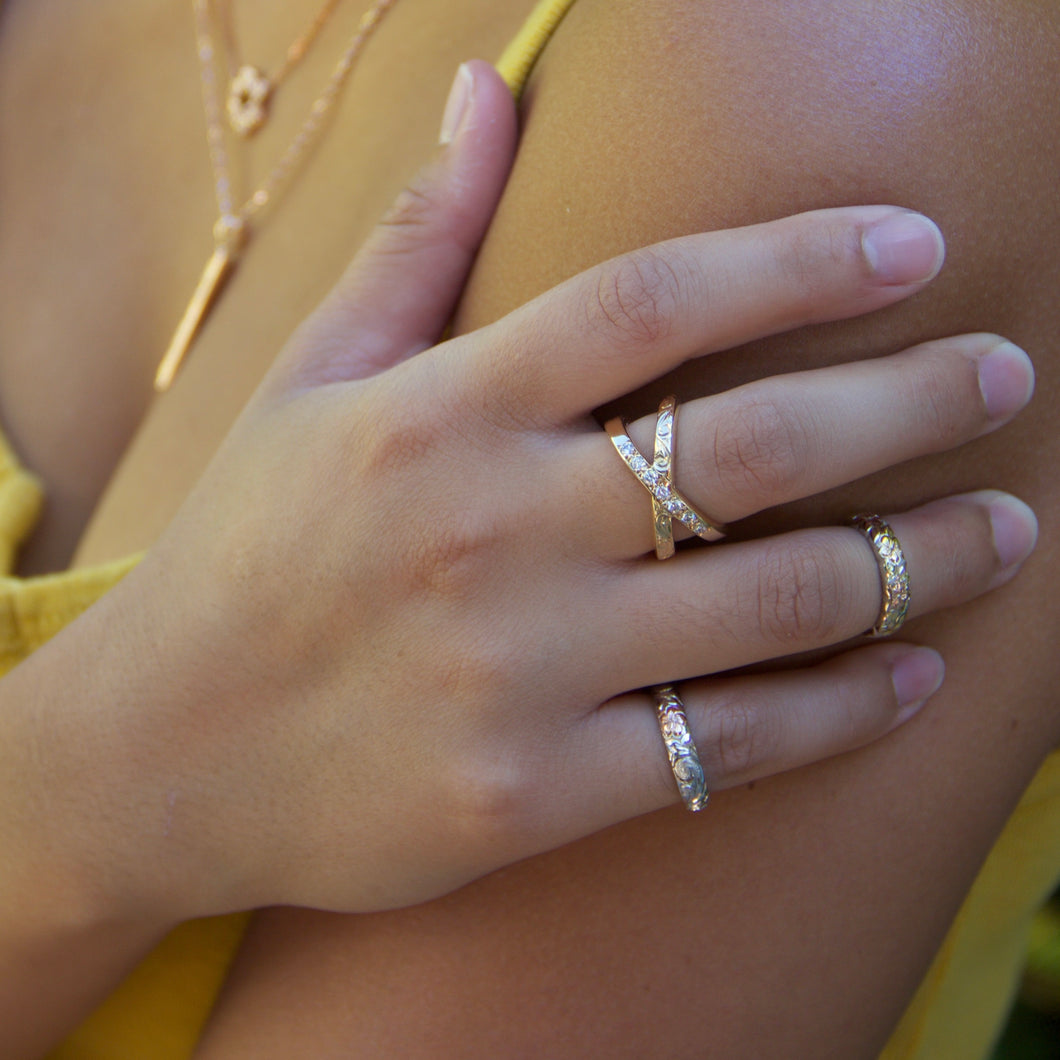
1014, 525
916, 676
1006, 378
456, 105
904, 248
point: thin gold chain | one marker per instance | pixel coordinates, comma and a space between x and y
232, 228
250, 89
295, 51
303, 139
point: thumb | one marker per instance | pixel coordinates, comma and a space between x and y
399, 292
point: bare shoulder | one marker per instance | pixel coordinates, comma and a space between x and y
804, 916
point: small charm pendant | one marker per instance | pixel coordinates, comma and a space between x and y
248, 97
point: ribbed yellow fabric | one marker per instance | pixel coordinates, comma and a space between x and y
159, 1011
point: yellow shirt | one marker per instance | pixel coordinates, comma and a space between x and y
160, 1009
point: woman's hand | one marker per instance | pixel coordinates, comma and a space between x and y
395, 637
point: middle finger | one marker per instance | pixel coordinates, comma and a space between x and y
788, 437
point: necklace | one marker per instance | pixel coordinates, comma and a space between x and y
232, 228
249, 88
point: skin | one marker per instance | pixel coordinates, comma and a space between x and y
102, 348
573, 954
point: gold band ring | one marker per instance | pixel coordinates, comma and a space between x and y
657, 479
894, 578
680, 747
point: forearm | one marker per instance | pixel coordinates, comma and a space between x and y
54, 969
83, 848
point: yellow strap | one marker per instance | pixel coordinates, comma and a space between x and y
519, 57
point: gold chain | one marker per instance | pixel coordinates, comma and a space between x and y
250, 89
232, 228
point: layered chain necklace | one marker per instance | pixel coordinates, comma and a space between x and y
247, 108
249, 88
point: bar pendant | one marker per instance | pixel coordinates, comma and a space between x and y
217, 270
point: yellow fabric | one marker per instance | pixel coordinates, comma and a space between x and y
519, 57
32, 610
159, 1011
1041, 978
962, 1002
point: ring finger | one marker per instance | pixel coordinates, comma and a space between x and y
733, 605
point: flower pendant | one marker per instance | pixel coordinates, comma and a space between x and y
248, 97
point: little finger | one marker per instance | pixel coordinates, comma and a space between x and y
754, 726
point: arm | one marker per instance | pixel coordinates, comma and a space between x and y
64, 941
216, 735
801, 918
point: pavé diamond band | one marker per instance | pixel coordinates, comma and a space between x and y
657, 479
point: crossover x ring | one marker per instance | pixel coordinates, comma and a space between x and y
657, 479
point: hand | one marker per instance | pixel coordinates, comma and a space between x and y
400, 625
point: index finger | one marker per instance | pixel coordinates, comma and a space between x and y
621, 324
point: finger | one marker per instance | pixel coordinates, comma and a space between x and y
794, 436
396, 297
617, 326
750, 727
726, 606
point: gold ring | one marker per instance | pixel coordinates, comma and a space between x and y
894, 578
657, 478
680, 747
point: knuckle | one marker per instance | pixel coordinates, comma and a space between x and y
812, 257
760, 448
487, 801
416, 208
635, 299
958, 539
450, 558
492, 791
941, 400
443, 540
739, 739
387, 446
800, 593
